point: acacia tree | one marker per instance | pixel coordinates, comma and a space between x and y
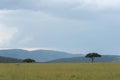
92, 56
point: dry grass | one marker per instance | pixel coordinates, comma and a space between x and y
63, 71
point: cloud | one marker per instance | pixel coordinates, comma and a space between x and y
36, 27
50, 30
32, 49
6, 34
72, 4
98, 3
63, 24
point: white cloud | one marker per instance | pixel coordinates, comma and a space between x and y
32, 49
7, 31
6, 34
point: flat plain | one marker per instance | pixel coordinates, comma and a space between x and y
60, 71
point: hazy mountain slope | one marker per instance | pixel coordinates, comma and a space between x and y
104, 58
9, 60
14, 53
38, 55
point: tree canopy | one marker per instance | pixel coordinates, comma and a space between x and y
29, 60
92, 56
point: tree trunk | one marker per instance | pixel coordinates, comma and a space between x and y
92, 59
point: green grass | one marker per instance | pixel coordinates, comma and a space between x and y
62, 71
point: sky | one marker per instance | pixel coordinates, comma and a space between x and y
75, 26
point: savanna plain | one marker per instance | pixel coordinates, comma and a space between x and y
60, 71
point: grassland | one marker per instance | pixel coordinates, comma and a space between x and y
68, 71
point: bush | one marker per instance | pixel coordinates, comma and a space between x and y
29, 60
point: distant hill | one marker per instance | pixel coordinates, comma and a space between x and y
9, 60
104, 58
16, 55
38, 55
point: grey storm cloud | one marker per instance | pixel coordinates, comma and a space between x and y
17, 4
72, 4
59, 23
